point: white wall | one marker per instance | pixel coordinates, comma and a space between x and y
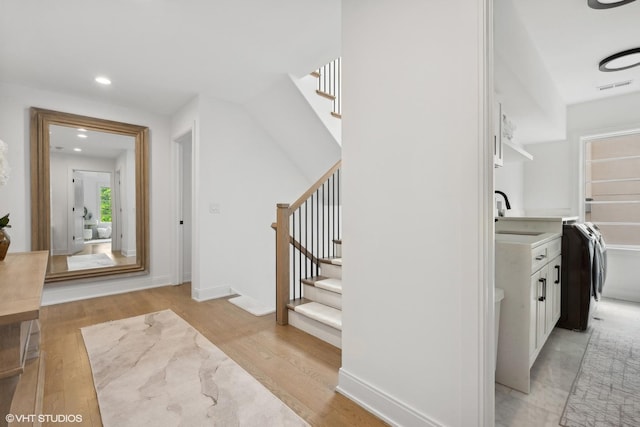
549, 180
510, 179
413, 335
15, 196
552, 180
240, 174
527, 91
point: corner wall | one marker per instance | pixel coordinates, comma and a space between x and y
240, 174
415, 140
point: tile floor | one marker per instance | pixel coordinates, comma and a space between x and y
555, 369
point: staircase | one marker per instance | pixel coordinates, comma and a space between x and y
319, 311
308, 242
309, 260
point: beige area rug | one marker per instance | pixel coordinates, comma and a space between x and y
83, 262
157, 370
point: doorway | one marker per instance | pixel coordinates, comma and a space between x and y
185, 207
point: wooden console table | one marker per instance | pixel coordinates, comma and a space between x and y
21, 282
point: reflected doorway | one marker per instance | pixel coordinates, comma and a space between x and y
89, 203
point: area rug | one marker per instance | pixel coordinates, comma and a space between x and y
83, 262
157, 370
251, 305
606, 391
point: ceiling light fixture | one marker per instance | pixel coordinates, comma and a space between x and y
82, 135
103, 80
82, 130
77, 149
621, 60
607, 4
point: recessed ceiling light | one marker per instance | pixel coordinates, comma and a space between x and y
621, 60
607, 4
82, 135
103, 80
82, 130
77, 149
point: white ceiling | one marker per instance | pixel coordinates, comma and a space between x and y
572, 39
161, 53
64, 139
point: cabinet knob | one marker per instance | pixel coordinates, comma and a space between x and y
540, 257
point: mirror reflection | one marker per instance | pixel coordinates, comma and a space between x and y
92, 199
90, 208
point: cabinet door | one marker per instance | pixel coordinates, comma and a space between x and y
533, 313
542, 308
555, 283
548, 292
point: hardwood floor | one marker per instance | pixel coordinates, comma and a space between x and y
299, 369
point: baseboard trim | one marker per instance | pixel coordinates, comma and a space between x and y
211, 293
379, 403
67, 292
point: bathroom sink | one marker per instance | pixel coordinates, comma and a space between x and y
521, 233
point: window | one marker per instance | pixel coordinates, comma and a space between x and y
105, 204
612, 187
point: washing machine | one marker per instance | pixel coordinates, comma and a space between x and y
584, 262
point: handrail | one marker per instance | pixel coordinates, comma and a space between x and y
295, 205
306, 252
305, 232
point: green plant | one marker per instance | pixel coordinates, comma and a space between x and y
105, 204
4, 222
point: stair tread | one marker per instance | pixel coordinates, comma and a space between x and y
337, 241
321, 313
332, 260
326, 95
326, 283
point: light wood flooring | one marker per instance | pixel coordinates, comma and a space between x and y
58, 263
299, 369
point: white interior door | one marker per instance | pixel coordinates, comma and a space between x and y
116, 214
77, 231
184, 209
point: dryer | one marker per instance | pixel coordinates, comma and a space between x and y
583, 274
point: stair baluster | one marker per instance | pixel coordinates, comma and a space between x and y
319, 229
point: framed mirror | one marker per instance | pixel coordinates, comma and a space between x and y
89, 195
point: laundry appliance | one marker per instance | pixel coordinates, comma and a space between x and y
584, 268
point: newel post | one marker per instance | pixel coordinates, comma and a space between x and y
282, 263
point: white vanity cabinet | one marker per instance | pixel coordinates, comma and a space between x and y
528, 269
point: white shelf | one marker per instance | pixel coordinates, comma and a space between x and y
515, 153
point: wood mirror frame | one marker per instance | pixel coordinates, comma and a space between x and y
41, 119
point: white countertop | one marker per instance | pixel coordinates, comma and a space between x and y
527, 239
537, 218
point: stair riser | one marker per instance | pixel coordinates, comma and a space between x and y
331, 270
315, 328
332, 299
338, 247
